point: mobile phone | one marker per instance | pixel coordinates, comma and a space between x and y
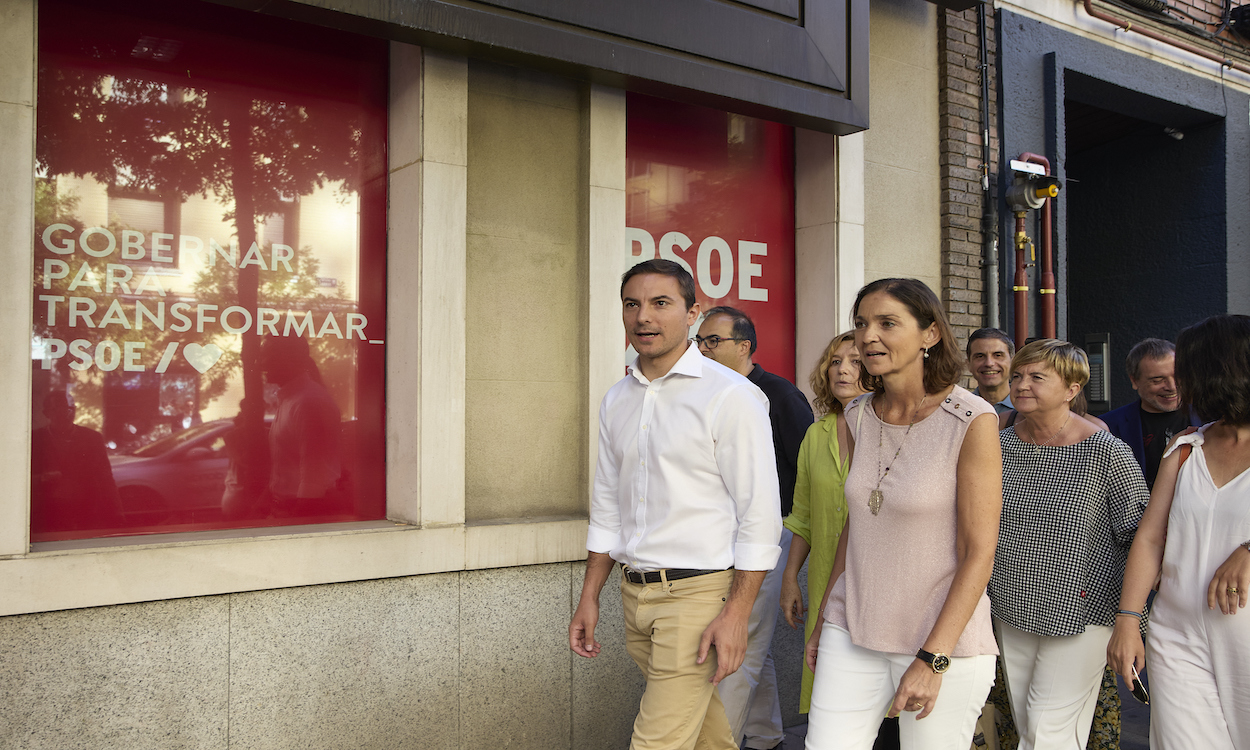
1139, 690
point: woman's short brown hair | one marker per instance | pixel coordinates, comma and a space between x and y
825, 401
945, 363
1069, 361
1213, 368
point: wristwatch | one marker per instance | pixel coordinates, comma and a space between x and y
938, 662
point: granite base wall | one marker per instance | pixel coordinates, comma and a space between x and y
456, 660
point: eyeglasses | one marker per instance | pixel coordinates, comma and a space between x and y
711, 342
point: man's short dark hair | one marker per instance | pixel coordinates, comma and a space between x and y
990, 333
1147, 349
663, 268
1213, 368
743, 328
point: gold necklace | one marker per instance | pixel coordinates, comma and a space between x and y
1037, 447
876, 497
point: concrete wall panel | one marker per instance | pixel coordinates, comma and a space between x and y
527, 274
361, 665
140, 677
902, 181
17, 168
523, 457
514, 657
607, 688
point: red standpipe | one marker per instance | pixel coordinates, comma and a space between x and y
1020, 285
1046, 286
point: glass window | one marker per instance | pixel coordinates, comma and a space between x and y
714, 191
208, 346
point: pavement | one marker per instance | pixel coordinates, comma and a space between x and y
1134, 724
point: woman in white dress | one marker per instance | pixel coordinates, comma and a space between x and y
1198, 652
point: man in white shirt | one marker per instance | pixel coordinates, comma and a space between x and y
686, 498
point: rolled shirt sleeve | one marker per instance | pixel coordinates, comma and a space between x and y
605, 511
746, 458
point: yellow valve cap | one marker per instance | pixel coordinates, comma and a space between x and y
1049, 191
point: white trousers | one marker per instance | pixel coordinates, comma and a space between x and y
752, 704
1053, 684
855, 686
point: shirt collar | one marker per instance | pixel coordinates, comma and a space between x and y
691, 364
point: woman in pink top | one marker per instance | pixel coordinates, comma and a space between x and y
906, 622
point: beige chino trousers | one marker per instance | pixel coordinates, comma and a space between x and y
664, 622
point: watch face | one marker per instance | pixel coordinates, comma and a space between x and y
941, 663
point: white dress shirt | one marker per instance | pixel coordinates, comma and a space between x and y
686, 476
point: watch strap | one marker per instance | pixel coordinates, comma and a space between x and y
932, 660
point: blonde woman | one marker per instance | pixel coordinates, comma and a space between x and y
819, 503
1072, 497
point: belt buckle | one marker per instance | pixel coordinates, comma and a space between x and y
636, 577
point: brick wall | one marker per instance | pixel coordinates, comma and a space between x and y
959, 102
1201, 13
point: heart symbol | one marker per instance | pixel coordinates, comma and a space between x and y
202, 357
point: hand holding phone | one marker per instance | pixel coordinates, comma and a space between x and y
1139, 690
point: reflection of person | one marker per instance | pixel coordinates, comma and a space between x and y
819, 503
304, 436
989, 354
1072, 497
1149, 423
907, 627
750, 696
1196, 649
248, 473
70, 470
686, 499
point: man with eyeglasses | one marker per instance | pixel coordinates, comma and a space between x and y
685, 499
752, 703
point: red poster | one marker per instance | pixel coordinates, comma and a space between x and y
714, 191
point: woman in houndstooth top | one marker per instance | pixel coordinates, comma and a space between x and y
1072, 497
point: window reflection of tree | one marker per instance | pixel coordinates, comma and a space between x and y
176, 141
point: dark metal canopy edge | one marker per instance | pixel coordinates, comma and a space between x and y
835, 49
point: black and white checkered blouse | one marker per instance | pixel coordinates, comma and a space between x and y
1069, 516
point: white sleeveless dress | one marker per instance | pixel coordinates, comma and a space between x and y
1198, 659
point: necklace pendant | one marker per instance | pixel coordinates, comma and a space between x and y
875, 498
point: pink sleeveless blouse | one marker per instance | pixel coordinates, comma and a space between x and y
900, 563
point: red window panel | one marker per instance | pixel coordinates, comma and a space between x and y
208, 348
715, 191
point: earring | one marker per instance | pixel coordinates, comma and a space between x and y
926, 352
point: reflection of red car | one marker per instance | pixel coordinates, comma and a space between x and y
179, 478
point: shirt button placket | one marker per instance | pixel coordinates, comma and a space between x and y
648, 408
